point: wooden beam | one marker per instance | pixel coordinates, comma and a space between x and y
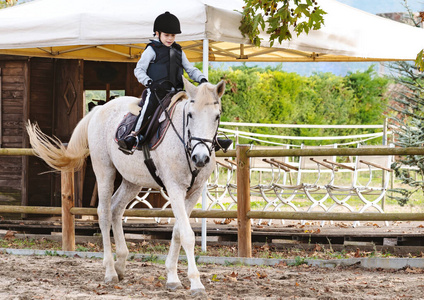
281, 152
68, 220
25, 139
16, 151
167, 213
1, 113
243, 202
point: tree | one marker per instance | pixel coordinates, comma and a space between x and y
409, 117
408, 108
270, 95
278, 17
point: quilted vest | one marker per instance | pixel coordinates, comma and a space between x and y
159, 70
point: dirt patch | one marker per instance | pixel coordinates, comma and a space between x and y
52, 277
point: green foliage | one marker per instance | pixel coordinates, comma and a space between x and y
99, 96
298, 261
368, 91
255, 95
408, 107
276, 17
7, 3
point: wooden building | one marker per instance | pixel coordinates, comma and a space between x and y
51, 93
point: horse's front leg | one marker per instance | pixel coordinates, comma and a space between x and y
183, 235
125, 193
173, 282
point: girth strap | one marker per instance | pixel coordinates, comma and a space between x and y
151, 166
152, 169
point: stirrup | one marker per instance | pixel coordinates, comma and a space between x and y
123, 146
126, 151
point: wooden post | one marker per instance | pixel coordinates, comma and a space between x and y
107, 92
243, 202
68, 220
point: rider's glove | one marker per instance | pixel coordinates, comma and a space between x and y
153, 85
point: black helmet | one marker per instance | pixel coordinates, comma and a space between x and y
167, 23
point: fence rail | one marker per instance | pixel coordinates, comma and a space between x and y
243, 213
167, 213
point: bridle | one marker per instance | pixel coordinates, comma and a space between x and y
187, 143
200, 141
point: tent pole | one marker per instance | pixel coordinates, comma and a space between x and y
204, 198
206, 58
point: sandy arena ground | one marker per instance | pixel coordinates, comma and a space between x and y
60, 278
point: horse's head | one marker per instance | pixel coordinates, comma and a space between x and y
202, 119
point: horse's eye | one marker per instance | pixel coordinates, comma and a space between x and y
189, 115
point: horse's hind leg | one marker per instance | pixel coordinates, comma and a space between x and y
105, 188
173, 282
125, 193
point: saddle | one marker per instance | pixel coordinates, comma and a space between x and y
158, 124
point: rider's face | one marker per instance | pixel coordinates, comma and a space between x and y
166, 38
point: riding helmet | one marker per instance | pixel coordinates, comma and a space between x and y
167, 23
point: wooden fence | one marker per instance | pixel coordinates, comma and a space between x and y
243, 213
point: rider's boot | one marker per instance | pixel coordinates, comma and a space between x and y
127, 144
223, 144
130, 143
140, 141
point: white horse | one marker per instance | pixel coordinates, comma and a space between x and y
196, 121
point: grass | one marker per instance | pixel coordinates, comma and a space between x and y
153, 250
30, 244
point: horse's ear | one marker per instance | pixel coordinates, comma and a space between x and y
190, 88
220, 88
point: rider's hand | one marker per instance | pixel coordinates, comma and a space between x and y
154, 85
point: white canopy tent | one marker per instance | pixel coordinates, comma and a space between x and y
108, 30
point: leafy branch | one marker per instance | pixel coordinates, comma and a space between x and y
280, 19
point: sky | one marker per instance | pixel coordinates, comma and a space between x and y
342, 68
384, 6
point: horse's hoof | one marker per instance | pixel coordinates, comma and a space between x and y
111, 279
120, 270
174, 285
199, 293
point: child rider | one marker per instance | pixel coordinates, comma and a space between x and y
161, 63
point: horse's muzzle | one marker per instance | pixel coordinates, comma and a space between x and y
200, 160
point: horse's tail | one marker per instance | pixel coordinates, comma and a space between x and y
56, 154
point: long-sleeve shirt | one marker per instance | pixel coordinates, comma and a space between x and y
149, 57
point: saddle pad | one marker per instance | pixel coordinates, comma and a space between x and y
126, 126
156, 129
157, 138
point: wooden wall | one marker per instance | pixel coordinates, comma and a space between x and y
14, 110
69, 109
41, 110
56, 104
51, 93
